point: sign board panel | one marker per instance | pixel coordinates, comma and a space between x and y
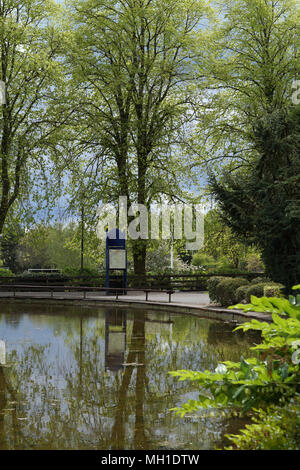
117, 259
116, 342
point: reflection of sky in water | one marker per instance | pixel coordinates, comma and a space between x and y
29, 331
74, 396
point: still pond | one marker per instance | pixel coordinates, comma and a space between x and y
97, 378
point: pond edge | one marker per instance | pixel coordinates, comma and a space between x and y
216, 313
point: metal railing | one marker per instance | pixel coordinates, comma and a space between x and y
184, 281
117, 291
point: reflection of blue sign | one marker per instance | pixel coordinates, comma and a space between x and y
116, 260
115, 339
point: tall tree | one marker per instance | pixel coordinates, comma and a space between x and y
29, 70
135, 62
9, 243
221, 243
250, 69
263, 204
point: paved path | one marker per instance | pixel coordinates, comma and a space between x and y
186, 298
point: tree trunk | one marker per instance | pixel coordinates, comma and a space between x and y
139, 248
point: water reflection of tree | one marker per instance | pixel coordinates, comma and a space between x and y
223, 333
8, 398
29, 392
97, 409
13, 319
2, 407
117, 396
136, 355
122, 398
228, 343
84, 404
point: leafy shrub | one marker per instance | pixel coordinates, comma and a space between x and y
85, 278
241, 293
273, 290
220, 272
6, 272
40, 278
254, 289
254, 263
269, 380
212, 283
40, 275
224, 263
226, 290
79, 272
268, 289
276, 428
203, 260
258, 290
259, 280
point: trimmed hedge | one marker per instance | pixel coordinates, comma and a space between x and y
260, 280
255, 289
268, 289
226, 290
212, 285
231, 290
273, 290
241, 293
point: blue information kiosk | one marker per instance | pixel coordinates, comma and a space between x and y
116, 261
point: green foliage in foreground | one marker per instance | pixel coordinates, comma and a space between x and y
271, 378
277, 305
274, 428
